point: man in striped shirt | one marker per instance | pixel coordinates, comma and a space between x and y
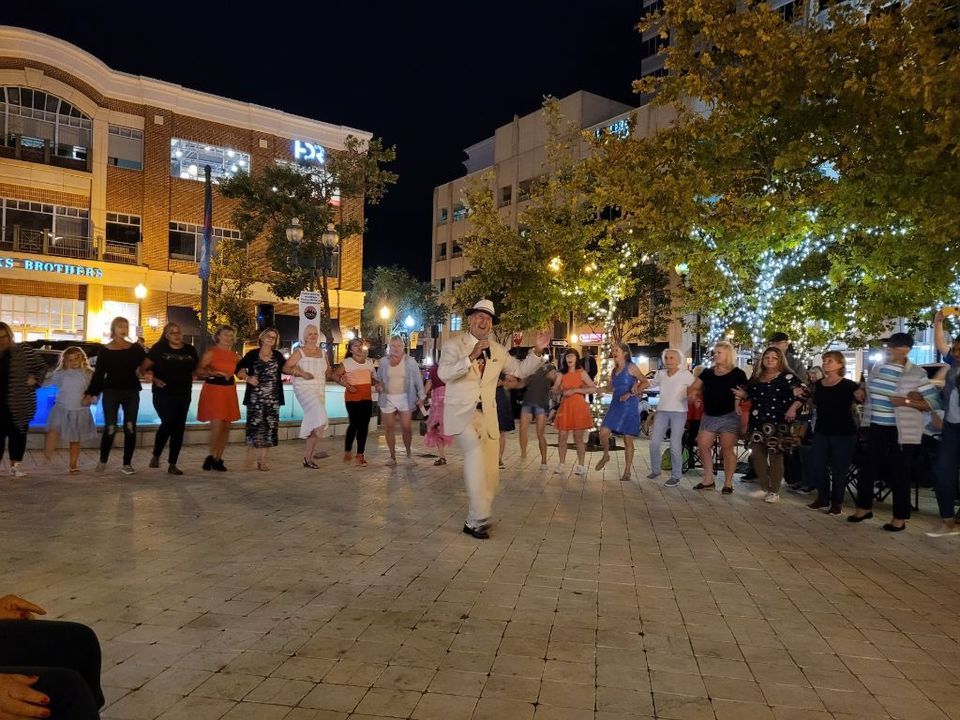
898, 393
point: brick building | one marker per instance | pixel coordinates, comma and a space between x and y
99, 193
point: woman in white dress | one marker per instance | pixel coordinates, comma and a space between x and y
310, 371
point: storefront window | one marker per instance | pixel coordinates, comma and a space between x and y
41, 318
188, 158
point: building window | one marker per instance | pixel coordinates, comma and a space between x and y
506, 195
46, 229
41, 127
188, 158
185, 240
455, 282
457, 250
125, 147
442, 251
459, 212
41, 318
442, 285
442, 216
123, 239
456, 323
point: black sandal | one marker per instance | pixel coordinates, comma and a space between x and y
727, 491
440, 461
308, 464
701, 486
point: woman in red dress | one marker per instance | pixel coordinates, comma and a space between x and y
218, 398
574, 413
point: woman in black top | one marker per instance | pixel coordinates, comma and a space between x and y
173, 363
116, 377
834, 433
773, 408
721, 414
22, 371
261, 368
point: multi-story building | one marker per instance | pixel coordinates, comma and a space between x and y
515, 157
99, 193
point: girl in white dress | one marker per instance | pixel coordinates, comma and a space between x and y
310, 371
70, 418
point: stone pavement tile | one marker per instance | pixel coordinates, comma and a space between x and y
562, 671
518, 666
913, 708
255, 663
229, 686
550, 712
778, 695
388, 703
852, 703
198, 708
624, 700
179, 681
671, 663
897, 687
279, 691
304, 668
256, 711
212, 660
341, 698
349, 672
568, 695
434, 706
507, 687
458, 682
733, 689
470, 661
130, 674
301, 713
739, 710
833, 680
490, 708
682, 707
141, 705
401, 677
713, 667
785, 713
677, 683
529, 646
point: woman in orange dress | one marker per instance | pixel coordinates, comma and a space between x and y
574, 413
218, 398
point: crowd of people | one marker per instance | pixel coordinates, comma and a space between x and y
704, 412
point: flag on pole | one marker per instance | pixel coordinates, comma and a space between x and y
207, 225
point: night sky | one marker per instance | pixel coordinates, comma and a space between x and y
431, 78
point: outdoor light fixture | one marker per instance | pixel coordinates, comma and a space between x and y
330, 239
350, 335
295, 232
384, 312
154, 322
409, 321
140, 291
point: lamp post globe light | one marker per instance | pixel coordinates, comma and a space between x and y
320, 269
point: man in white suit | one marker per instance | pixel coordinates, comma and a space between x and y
470, 366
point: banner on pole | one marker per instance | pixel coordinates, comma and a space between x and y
310, 308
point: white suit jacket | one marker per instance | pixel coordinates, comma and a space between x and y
466, 387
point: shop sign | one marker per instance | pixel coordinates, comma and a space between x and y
54, 268
309, 153
592, 338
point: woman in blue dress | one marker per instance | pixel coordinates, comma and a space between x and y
623, 416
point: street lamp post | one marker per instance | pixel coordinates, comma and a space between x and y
320, 268
140, 293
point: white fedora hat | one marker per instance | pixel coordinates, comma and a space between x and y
485, 306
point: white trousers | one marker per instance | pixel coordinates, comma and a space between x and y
481, 472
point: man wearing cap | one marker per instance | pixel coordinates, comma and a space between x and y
781, 341
470, 366
898, 393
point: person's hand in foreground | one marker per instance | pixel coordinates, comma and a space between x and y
16, 608
19, 700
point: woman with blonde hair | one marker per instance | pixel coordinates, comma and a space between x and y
116, 377
673, 381
218, 397
717, 386
308, 366
262, 370
70, 419
773, 408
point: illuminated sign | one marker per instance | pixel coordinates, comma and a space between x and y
620, 128
309, 153
44, 266
592, 338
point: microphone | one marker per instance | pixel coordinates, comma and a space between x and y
486, 353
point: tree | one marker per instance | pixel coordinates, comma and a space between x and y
560, 257
269, 200
404, 295
819, 199
232, 274
644, 317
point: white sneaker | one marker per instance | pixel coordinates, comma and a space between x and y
17, 471
757, 493
128, 470
944, 530
560, 469
410, 460
543, 466
579, 470
772, 498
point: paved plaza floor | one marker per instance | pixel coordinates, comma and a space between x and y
347, 592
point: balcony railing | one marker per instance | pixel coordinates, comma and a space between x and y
45, 242
13, 146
